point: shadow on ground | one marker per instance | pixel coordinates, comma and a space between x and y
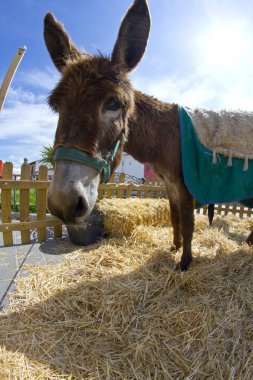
72, 332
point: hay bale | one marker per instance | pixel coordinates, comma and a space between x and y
120, 217
118, 310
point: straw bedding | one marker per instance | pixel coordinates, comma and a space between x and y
119, 310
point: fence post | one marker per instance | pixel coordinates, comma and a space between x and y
154, 192
139, 193
129, 190
241, 210
110, 192
42, 203
234, 208
58, 231
24, 203
100, 193
121, 180
149, 183
6, 203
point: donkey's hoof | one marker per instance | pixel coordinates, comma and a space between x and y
184, 265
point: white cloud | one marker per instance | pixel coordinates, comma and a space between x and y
209, 64
204, 86
26, 125
30, 121
26, 122
19, 95
45, 80
21, 152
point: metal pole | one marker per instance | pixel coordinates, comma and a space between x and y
10, 74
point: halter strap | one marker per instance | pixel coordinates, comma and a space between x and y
103, 165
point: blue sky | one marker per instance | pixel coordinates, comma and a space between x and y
200, 54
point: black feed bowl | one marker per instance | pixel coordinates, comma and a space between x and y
90, 232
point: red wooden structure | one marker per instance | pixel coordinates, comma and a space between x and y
1, 168
148, 173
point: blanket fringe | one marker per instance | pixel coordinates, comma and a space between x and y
230, 158
214, 159
246, 164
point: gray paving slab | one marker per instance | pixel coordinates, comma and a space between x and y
21, 248
8, 265
6, 288
14, 259
9, 269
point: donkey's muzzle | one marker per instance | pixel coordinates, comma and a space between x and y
70, 213
81, 208
73, 191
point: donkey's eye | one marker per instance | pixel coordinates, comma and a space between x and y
112, 105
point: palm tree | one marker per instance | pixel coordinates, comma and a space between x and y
47, 155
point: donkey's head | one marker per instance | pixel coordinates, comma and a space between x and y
94, 100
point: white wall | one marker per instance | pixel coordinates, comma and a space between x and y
130, 166
38, 164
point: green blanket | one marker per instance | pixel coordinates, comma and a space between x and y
212, 183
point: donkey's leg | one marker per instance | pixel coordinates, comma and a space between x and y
175, 222
172, 194
186, 211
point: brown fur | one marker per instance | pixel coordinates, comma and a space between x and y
148, 128
152, 133
86, 83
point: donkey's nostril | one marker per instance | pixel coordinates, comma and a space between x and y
81, 207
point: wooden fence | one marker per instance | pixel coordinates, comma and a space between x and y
233, 208
152, 188
25, 222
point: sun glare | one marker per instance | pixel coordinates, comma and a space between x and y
224, 45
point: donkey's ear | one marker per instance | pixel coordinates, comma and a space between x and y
59, 44
133, 36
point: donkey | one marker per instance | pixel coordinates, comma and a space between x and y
101, 115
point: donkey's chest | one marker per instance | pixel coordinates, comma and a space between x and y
217, 159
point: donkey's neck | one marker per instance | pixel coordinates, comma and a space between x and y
153, 124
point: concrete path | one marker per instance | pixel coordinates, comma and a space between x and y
13, 259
